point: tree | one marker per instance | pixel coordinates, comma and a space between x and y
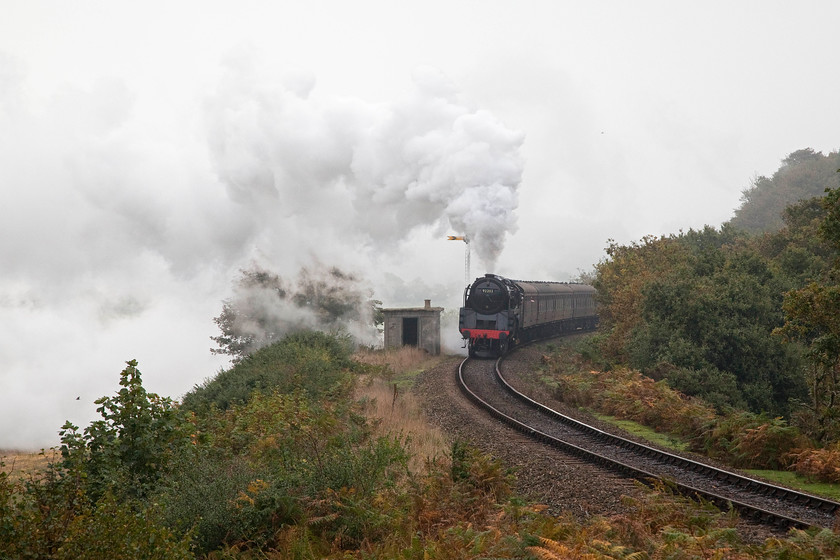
264, 308
813, 319
130, 449
830, 226
248, 320
803, 174
699, 309
620, 280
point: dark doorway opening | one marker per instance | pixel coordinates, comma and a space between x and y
410, 331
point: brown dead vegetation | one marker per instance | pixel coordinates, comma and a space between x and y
23, 463
397, 411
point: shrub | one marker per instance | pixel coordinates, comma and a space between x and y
200, 496
748, 440
289, 461
716, 387
312, 361
35, 514
743, 439
474, 487
629, 395
116, 459
817, 464
116, 529
130, 449
767, 445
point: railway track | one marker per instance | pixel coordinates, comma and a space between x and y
483, 382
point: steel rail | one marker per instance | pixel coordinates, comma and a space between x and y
748, 510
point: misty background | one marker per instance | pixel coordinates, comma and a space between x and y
151, 152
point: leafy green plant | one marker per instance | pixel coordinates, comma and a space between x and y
290, 461
200, 495
119, 529
130, 449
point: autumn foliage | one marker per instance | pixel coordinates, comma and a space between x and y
742, 439
315, 471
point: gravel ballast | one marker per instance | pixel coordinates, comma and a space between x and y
562, 482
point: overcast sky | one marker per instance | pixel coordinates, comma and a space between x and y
150, 150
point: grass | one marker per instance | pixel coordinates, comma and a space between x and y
644, 432
783, 478
395, 409
402, 365
399, 413
799, 482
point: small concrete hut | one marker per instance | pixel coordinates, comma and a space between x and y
414, 326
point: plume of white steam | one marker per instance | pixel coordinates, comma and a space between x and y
121, 229
378, 171
265, 307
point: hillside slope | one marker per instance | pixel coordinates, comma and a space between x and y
803, 174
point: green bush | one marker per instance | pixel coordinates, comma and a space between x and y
336, 483
312, 361
716, 387
283, 461
125, 455
116, 529
130, 449
200, 496
701, 301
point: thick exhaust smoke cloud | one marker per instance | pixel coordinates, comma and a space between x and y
377, 171
125, 221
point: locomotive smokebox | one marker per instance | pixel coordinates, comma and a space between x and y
488, 295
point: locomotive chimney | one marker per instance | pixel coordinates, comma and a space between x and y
428, 304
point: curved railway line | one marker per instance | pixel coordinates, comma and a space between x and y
483, 382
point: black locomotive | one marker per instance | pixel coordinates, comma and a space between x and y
499, 313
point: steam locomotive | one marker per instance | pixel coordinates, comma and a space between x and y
499, 313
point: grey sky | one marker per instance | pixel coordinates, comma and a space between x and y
150, 150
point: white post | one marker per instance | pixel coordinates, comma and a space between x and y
466, 240
467, 278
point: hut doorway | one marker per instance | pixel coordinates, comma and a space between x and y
410, 331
